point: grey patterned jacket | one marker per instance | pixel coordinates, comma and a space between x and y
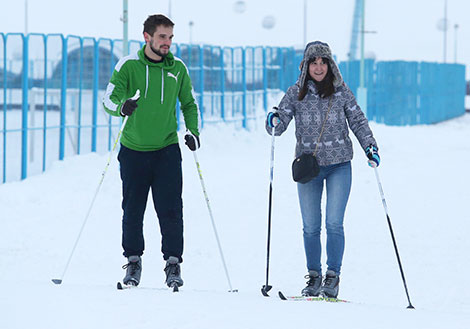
335, 145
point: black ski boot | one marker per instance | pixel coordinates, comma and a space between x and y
133, 271
330, 287
313, 287
173, 273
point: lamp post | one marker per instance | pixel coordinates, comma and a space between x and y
125, 37
456, 26
362, 90
445, 30
25, 17
191, 24
361, 74
443, 25
305, 22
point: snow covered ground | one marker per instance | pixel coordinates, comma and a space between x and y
426, 181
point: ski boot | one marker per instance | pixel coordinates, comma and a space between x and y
173, 273
330, 287
313, 287
133, 271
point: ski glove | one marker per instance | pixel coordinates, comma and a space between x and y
372, 153
273, 119
192, 141
129, 107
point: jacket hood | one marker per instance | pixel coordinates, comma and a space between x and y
168, 60
318, 49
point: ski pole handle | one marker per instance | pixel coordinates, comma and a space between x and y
136, 95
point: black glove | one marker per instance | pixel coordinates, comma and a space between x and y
192, 141
129, 107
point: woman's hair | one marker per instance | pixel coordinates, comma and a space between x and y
325, 87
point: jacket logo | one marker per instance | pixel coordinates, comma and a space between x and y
171, 75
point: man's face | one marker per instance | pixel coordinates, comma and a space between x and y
160, 41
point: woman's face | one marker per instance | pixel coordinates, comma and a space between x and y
317, 69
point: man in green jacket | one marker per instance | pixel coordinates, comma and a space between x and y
150, 157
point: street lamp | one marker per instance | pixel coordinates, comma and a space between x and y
239, 7
362, 90
268, 22
26, 17
443, 25
125, 37
446, 26
191, 24
456, 26
305, 22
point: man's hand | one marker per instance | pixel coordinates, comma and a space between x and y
192, 141
129, 107
130, 104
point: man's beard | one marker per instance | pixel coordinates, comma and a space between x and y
158, 52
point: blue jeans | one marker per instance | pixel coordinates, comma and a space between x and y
338, 186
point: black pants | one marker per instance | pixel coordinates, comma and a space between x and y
161, 171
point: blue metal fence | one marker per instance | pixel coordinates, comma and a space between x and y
52, 87
53, 84
409, 93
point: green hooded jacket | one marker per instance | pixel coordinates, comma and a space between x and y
153, 124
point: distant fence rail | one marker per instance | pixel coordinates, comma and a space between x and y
52, 85
410, 93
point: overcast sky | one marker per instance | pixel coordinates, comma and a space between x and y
406, 29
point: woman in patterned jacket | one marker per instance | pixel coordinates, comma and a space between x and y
324, 108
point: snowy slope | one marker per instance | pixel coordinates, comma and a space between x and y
425, 181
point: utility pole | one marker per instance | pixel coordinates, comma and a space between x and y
361, 74
456, 26
25, 17
305, 22
445, 31
191, 24
362, 90
125, 37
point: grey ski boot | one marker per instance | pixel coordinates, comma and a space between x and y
173, 273
313, 287
133, 271
330, 287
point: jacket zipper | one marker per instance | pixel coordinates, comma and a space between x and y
146, 79
163, 85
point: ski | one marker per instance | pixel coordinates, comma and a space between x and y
122, 286
312, 298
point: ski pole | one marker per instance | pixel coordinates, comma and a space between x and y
59, 281
267, 287
393, 236
213, 222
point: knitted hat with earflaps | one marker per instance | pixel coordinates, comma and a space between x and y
318, 49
